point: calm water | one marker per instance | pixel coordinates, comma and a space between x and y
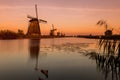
64, 59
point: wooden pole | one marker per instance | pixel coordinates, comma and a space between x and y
36, 11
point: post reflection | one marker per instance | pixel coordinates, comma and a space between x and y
34, 50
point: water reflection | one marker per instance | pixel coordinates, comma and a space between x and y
52, 44
73, 47
34, 50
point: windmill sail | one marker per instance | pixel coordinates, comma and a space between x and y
42, 21
28, 16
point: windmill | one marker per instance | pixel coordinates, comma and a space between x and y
52, 31
34, 26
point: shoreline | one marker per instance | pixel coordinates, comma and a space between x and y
42, 37
113, 37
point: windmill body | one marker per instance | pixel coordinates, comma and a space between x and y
34, 27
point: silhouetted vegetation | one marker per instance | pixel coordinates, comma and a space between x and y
110, 47
108, 59
108, 33
109, 66
8, 34
108, 30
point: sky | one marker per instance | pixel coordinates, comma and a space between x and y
71, 17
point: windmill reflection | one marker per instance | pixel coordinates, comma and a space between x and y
34, 48
108, 62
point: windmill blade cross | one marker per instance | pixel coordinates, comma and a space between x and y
28, 16
41, 20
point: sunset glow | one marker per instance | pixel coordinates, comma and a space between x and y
69, 16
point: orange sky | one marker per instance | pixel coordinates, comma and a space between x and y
68, 16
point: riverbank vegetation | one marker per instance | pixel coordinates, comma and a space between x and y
8, 34
108, 32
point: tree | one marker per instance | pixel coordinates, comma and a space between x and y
108, 31
20, 32
103, 23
